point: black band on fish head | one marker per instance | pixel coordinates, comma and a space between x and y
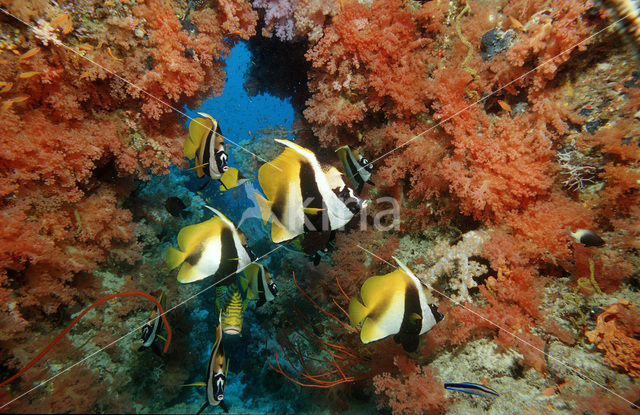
273, 288
349, 198
146, 332
221, 160
436, 314
219, 381
366, 165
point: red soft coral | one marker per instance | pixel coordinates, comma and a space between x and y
501, 169
415, 390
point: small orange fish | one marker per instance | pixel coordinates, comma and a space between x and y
60, 19
68, 26
26, 75
516, 23
85, 46
19, 99
505, 106
5, 106
111, 54
29, 53
6, 87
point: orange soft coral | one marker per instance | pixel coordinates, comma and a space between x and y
614, 334
363, 65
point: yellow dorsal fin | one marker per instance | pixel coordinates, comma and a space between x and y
281, 171
190, 237
312, 211
194, 384
378, 288
198, 130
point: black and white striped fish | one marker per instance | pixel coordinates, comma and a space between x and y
357, 167
302, 195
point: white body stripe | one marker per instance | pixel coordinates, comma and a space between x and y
339, 214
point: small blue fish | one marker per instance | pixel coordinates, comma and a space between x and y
472, 388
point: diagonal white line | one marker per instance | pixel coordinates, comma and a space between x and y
576, 371
59, 43
473, 104
136, 329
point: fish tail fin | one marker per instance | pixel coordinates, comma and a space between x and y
357, 312
173, 257
265, 207
202, 408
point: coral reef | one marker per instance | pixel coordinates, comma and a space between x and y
88, 91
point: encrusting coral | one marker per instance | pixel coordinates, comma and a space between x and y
615, 334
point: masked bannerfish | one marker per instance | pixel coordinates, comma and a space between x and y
357, 167
303, 195
213, 247
206, 144
230, 302
260, 285
217, 370
151, 330
394, 303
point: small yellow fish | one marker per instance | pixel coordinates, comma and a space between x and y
85, 46
21, 98
29, 54
26, 75
505, 106
6, 87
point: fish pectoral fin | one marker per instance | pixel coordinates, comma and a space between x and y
199, 166
173, 257
193, 384
312, 211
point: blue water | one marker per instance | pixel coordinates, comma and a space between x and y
236, 112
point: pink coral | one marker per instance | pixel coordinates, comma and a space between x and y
415, 389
